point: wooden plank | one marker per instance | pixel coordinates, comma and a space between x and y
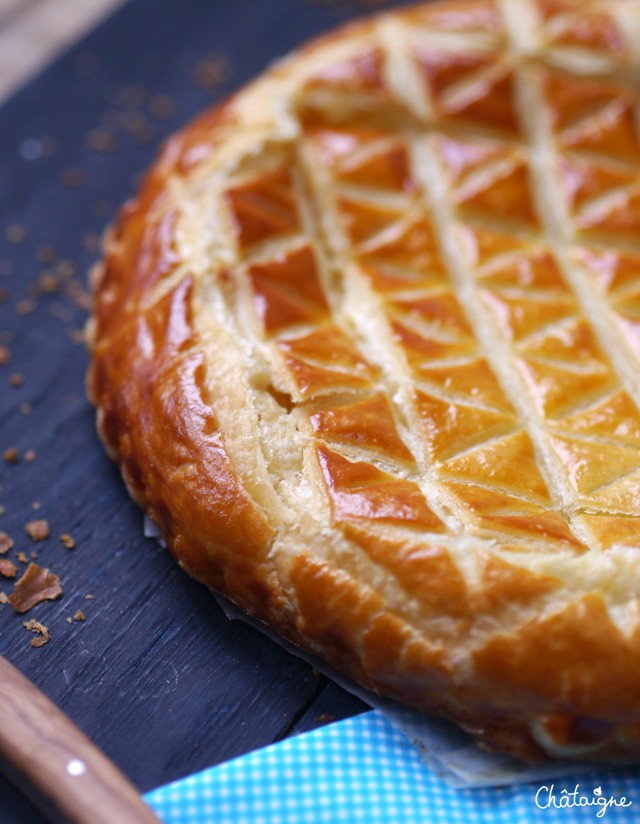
156, 675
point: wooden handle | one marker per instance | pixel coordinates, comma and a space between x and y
58, 760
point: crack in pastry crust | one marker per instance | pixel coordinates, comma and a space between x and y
366, 347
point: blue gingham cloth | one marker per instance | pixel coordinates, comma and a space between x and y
364, 770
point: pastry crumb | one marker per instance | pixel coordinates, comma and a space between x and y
162, 106
43, 636
74, 177
79, 615
6, 543
36, 585
67, 541
48, 283
26, 306
212, 71
65, 269
37, 530
11, 455
46, 254
16, 233
102, 140
7, 568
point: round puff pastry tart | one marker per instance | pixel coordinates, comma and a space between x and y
366, 347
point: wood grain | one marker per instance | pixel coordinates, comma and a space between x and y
156, 675
59, 761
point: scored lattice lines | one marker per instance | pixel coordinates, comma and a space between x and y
558, 224
438, 198
492, 347
369, 324
372, 327
551, 208
446, 226
361, 312
625, 14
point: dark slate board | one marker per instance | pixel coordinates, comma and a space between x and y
156, 675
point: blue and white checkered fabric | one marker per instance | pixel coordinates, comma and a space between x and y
364, 770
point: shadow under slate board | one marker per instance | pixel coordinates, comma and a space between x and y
154, 674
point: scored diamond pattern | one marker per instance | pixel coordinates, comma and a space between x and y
287, 290
264, 208
471, 88
571, 26
476, 390
367, 346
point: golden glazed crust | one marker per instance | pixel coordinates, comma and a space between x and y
366, 346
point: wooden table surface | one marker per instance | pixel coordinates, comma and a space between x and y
140, 657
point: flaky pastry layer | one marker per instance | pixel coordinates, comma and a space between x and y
366, 346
